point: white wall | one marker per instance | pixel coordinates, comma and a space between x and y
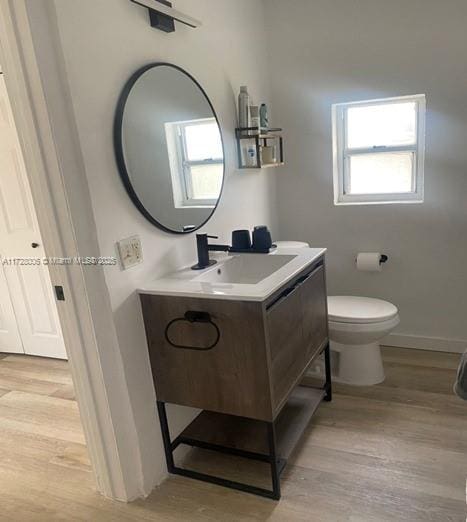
325, 52
103, 43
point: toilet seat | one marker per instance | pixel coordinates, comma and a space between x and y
362, 328
359, 310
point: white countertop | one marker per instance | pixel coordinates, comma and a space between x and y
186, 283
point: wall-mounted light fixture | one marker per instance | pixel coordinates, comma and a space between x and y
162, 15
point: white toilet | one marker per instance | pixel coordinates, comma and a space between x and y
356, 327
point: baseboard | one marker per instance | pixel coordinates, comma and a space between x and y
435, 344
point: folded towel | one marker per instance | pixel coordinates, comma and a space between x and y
460, 386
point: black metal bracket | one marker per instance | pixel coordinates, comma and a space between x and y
163, 18
160, 21
327, 367
277, 464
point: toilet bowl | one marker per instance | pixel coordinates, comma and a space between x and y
356, 327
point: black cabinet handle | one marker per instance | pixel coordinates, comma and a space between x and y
296, 284
35, 245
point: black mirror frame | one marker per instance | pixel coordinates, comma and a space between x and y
118, 146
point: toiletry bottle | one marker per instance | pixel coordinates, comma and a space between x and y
243, 107
263, 116
254, 119
249, 154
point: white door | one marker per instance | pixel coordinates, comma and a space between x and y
10, 340
30, 288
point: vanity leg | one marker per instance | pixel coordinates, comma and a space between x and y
275, 471
327, 364
166, 436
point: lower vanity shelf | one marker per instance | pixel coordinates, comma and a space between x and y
270, 442
250, 435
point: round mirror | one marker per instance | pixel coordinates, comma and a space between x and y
169, 148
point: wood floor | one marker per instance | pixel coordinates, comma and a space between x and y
392, 452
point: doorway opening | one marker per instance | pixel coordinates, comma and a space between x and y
40, 425
29, 322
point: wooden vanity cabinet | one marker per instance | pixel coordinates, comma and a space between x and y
262, 352
241, 363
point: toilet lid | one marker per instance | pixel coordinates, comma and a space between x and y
350, 309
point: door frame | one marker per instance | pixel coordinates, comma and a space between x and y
86, 313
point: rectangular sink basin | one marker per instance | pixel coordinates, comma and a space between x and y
247, 269
243, 277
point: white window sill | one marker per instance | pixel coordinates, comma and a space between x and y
193, 206
383, 202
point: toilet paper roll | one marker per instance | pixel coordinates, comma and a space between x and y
369, 262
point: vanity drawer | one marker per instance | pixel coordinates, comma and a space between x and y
231, 377
296, 322
314, 313
284, 326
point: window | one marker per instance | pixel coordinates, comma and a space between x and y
196, 161
379, 150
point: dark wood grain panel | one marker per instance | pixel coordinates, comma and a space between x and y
284, 326
314, 313
232, 377
297, 330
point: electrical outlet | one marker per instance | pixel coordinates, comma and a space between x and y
130, 251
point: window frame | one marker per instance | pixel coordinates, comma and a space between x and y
185, 178
342, 154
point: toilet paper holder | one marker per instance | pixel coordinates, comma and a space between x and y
383, 258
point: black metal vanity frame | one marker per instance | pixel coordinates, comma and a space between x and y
277, 463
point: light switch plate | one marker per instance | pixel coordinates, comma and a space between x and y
130, 251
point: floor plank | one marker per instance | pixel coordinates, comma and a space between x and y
420, 378
58, 376
65, 391
392, 452
41, 415
420, 357
12, 382
47, 364
443, 402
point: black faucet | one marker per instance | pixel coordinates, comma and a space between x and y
204, 248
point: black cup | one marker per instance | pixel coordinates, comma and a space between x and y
261, 238
241, 240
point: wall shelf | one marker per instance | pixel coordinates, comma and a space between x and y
254, 143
